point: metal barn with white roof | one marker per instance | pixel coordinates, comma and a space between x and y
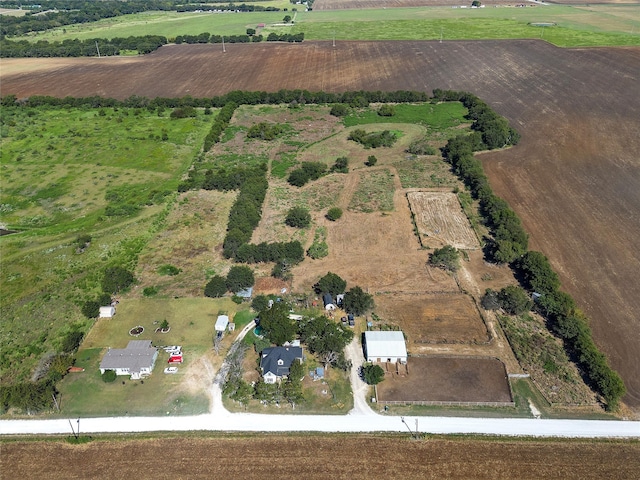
385, 347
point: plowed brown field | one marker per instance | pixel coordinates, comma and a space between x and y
320, 456
574, 179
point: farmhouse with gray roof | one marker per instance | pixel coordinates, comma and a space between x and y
276, 361
137, 359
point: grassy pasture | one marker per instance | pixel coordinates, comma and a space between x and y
436, 116
58, 167
599, 25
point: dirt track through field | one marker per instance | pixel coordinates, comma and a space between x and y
574, 179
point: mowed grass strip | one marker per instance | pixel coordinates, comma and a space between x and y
436, 116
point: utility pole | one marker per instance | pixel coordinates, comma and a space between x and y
334, 39
223, 49
97, 49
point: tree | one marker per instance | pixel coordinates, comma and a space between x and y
514, 300
116, 279
357, 302
476, 3
341, 165
330, 283
286, 19
386, 110
216, 287
371, 161
276, 324
251, 32
259, 303
339, 110
90, 308
298, 217
324, 337
239, 278
109, 376
446, 258
372, 374
334, 213
71, 341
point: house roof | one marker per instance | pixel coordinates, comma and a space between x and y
278, 360
327, 299
222, 322
138, 354
385, 344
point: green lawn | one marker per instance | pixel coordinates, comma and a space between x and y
192, 326
437, 116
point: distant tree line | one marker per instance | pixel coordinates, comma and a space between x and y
80, 48
237, 96
510, 245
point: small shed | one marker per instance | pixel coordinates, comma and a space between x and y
385, 346
107, 312
329, 304
222, 323
245, 294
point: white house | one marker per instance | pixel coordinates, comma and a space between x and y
385, 347
107, 312
275, 362
137, 360
222, 323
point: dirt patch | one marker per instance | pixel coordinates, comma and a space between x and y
446, 379
436, 318
440, 220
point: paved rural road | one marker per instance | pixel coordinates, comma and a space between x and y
360, 419
249, 422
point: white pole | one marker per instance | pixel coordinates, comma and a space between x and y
223, 49
97, 49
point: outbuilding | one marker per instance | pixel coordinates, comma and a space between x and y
222, 323
328, 301
107, 312
385, 346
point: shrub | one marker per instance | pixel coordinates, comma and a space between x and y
372, 374
71, 341
116, 279
90, 308
341, 165
298, 217
265, 131
386, 110
371, 161
109, 376
318, 250
339, 110
421, 147
216, 287
183, 112
514, 300
334, 214
386, 138
307, 172
168, 270
150, 291
447, 258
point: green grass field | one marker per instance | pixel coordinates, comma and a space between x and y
437, 116
575, 26
61, 169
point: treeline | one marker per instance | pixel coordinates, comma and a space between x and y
237, 96
510, 244
209, 38
285, 37
219, 125
80, 48
570, 324
229, 7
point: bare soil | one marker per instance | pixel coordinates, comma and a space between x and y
574, 179
447, 317
446, 379
440, 220
320, 457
